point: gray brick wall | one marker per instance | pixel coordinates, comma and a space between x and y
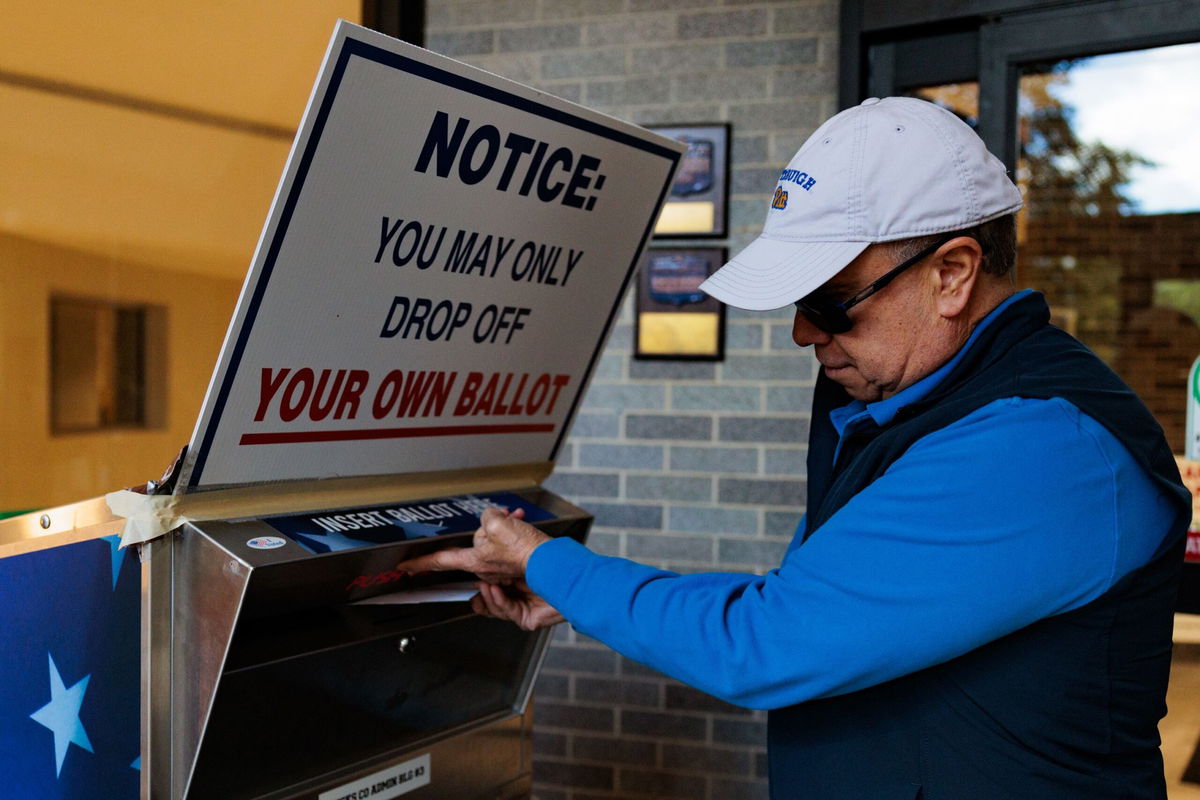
687, 466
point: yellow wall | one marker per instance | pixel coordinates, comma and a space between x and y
252, 59
39, 469
140, 147
154, 130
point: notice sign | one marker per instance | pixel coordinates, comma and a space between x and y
441, 264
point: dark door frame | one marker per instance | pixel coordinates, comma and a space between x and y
403, 19
887, 47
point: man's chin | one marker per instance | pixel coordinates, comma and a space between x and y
848, 377
853, 383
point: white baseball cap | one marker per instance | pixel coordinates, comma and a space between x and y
888, 169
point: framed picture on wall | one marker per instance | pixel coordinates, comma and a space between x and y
674, 319
698, 203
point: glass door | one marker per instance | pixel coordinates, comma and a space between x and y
1110, 232
1094, 107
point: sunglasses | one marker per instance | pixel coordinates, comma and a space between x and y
830, 315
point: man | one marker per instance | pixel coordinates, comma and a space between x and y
978, 602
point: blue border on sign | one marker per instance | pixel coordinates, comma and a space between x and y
354, 47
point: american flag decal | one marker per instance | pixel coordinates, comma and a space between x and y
69, 673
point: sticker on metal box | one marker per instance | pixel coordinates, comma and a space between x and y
266, 542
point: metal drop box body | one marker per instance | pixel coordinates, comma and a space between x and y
264, 677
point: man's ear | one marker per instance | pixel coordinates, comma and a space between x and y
956, 267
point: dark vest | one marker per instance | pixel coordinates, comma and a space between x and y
1065, 708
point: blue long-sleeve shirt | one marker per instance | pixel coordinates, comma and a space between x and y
1021, 510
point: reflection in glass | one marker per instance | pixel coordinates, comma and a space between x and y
961, 98
1136, 108
1111, 227
1110, 230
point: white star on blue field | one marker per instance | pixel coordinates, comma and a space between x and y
338, 541
419, 529
70, 674
61, 715
117, 556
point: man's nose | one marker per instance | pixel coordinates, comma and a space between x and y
805, 333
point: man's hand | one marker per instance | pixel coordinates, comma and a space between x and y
515, 603
499, 553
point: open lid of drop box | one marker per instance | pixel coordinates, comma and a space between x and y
442, 262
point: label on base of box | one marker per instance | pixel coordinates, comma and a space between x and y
391, 782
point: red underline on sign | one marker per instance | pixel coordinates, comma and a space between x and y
294, 437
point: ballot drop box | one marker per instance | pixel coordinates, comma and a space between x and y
312, 672
272, 657
445, 256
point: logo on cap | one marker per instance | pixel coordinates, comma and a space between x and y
780, 200
801, 179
